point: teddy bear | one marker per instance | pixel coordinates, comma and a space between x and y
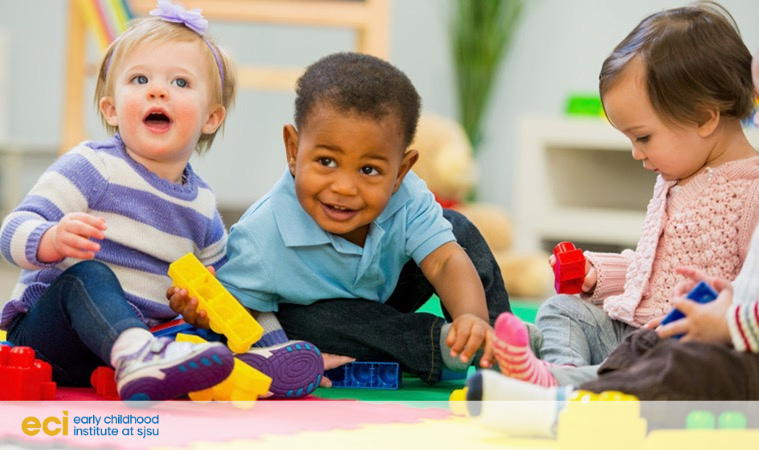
446, 163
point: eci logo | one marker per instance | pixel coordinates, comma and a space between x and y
51, 426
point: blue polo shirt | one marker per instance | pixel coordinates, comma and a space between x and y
278, 254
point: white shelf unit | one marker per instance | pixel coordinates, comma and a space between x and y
577, 181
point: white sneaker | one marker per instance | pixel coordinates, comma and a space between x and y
163, 369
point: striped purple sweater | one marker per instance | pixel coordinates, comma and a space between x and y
151, 222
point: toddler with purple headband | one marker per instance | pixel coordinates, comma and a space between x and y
97, 232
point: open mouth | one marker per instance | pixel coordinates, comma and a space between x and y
338, 212
157, 119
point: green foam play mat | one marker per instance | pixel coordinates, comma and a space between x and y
412, 388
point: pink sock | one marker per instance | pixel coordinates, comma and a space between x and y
515, 358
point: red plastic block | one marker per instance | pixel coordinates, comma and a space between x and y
22, 377
104, 382
569, 270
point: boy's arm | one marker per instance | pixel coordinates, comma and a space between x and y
452, 274
456, 282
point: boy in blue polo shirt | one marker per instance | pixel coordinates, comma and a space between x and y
349, 242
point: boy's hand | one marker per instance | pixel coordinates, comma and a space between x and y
72, 237
469, 333
181, 303
332, 361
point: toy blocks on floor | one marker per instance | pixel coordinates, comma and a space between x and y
225, 314
592, 420
103, 380
366, 375
569, 269
22, 377
457, 402
242, 387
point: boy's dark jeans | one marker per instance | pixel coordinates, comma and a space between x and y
392, 331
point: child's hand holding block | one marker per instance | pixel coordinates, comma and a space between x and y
702, 293
225, 314
569, 269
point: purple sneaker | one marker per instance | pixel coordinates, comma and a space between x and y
295, 367
163, 369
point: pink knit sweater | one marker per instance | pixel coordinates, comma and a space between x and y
705, 224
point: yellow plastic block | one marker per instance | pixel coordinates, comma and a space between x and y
242, 387
591, 421
457, 402
225, 314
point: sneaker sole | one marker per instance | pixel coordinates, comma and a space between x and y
295, 368
200, 371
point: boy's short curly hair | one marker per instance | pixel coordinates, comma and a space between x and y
360, 84
695, 62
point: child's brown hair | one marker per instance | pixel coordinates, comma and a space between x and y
695, 62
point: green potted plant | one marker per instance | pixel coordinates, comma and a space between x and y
481, 31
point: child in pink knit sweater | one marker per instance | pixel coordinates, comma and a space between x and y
678, 86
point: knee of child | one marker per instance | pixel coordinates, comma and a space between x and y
91, 268
559, 305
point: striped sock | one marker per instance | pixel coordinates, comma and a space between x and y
515, 358
273, 332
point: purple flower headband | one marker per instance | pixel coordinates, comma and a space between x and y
192, 19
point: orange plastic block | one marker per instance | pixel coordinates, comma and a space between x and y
242, 387
225, 314
569, 269
22, 377
104, 382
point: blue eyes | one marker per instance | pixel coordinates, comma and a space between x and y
179, 82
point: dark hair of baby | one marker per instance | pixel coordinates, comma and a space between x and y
695, 61
360, 84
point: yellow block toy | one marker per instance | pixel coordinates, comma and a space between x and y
225, 314
242, 387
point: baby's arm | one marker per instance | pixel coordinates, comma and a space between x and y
53, 218
452, 274
72, 237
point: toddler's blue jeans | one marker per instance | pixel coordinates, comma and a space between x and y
76, 321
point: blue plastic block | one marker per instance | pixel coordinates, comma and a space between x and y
176, 326
702, 293
170, 329
366, 375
